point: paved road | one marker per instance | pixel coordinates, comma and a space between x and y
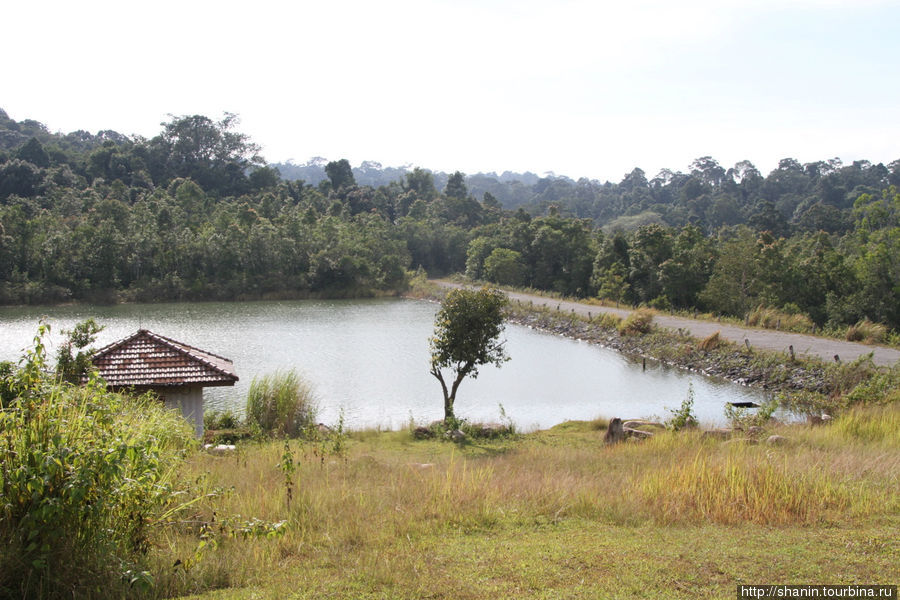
767, 339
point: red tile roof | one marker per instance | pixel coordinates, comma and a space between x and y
147, 359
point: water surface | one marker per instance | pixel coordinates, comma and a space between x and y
369, 358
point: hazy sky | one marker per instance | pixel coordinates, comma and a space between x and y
581, 88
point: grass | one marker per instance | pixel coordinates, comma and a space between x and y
552, 514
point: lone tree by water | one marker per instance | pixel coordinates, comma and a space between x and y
467, 332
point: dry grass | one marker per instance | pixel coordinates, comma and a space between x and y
771, 318
640, 321
711, 342
349, 513
867, 331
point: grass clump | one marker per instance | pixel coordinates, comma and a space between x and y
711, 342
772, 318
282, 404
746, 486
639, 321
867, 331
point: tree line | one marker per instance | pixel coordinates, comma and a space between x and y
196, 213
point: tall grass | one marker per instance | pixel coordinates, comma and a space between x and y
772, 318
282, 403
867, 331
747, 486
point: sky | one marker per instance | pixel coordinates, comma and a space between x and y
579, 88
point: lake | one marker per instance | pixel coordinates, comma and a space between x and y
369, 358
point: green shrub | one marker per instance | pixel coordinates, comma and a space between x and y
220, 420
85, 475
281, 404
683, 417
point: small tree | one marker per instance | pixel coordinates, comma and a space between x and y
466, 335
72, 367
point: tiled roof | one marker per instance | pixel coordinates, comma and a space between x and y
147, 359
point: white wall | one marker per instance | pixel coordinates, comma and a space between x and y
189, 401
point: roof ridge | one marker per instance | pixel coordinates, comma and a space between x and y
177, 343
180, 347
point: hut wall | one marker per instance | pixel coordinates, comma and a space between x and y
189, 400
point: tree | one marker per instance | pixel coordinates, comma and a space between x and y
456, 186
340, 173
467, 332
72, 367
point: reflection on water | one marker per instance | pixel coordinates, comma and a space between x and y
370, 358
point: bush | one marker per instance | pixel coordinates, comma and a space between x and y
84, 475
867, 331
639, 321
281, 404
684, 416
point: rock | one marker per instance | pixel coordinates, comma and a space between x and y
615, 432
456, 435
422, 433
814, 420
635, 423
323, 428
777, 440
491, 430
755, 430
219, 448
636, 433
421, 466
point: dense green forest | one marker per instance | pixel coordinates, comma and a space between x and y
196, 213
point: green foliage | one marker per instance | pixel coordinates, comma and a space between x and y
86, 478
743, 418
683, 417
467, 333
281, 404
73, 367
504, 266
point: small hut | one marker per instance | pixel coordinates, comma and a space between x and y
174, 371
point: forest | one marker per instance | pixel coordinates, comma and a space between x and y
196, 213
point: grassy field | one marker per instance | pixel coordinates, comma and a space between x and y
552, 514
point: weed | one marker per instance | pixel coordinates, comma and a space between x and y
684, 416
744, 418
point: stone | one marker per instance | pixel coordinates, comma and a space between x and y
615, 432
456, 435
422, 433
635, 423
636, 434
219, 448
